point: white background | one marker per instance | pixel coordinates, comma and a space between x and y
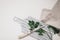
9, 29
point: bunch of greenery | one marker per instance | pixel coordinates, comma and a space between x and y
34, 25
40, 31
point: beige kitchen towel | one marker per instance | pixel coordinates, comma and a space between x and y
55, 11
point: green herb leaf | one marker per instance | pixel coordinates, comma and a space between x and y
40, 31
33, 24
36, 24
56, 30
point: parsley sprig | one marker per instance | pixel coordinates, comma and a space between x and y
34, 25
